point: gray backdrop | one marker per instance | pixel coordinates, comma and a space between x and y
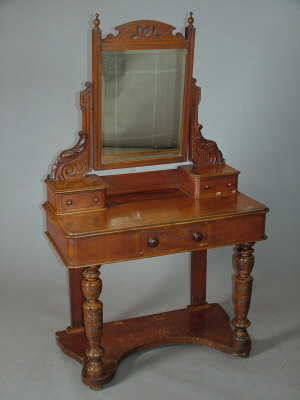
247, 61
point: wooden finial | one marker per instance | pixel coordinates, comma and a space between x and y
191, 19
96, 21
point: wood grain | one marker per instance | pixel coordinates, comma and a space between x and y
93, 371
198, 279
209, 327
242, 297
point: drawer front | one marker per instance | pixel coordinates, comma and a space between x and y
176, 238
218, 187
83, 201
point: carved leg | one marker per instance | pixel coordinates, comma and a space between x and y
242, 297
93, 372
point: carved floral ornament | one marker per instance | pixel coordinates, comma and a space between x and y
145, 30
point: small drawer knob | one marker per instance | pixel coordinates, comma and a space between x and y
206, 187
152, 242
69, 202
229, 184
96, 199
197, 236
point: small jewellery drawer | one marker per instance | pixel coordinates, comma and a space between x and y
219, 186
176, 238
81, 201
78, 194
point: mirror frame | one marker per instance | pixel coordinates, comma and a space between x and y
140, 35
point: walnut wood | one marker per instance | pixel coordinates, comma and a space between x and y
208, 180
141, 153
198, 278
74, 195
89, 183
97, 98
202, 151
76, 299
163, 239
209, 327
93, 371
121, 232
93, 221
141, 182
143, 32
242, 297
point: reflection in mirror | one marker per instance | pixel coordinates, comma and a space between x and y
142, 103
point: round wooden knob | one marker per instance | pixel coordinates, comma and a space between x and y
152, 242
69, 202
96, 199
229, 184
206, 187
197, 236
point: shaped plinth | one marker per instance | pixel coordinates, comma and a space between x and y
209, 326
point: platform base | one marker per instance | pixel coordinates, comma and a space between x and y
209, 327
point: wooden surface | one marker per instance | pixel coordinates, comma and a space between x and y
93, 324
198, 279
159, 208
121, 232
88, 183
212, 181
76, 298
242, 297
141, 182
209, 171
209, 327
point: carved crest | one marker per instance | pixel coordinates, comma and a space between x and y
152, 30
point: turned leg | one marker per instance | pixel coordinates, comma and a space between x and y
93, 372
242, 297
198, 279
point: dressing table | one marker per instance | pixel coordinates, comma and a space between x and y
141, 108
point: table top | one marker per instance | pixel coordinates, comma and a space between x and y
154, 209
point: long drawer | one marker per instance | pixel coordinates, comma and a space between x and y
178, 237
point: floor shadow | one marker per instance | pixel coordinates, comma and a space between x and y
131, 364
260, 346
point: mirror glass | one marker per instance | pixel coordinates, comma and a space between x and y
142, 104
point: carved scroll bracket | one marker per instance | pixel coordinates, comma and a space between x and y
77, 160
202, 151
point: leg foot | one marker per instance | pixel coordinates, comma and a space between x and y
96, 388
246, 355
